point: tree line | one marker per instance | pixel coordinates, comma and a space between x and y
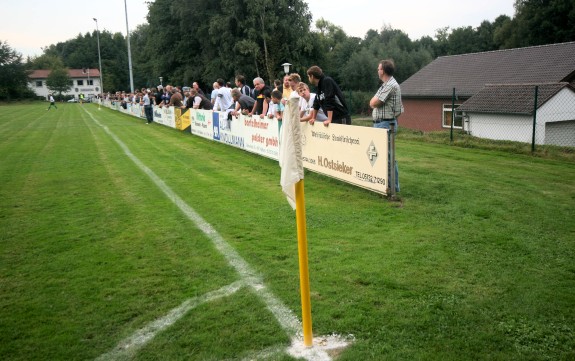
193, 40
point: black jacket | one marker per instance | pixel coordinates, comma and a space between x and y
330, 98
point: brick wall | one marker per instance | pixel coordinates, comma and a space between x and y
423, 114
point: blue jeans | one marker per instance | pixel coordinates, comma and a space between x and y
386, 125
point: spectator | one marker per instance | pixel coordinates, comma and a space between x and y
329, 98
148, 106
158, 95
244, 103
387, 105
263, 96
303, 91
279, 107
196, 86
286, 88
167, 95
199, 101
224, 101
278, 85
214, 94
242, 86
175, 98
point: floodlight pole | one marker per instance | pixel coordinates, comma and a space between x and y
99, 62
129, 51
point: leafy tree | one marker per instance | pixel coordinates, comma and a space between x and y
359, 72
13, 75
197, 40
45, 61
277, 29
539, 22
334, 47
463, 40
59, 81
502, 32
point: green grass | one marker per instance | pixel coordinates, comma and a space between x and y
475, 262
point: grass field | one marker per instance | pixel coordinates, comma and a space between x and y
111, 228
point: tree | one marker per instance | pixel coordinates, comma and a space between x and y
45, 61
59, 81
13, 74
359, 72
539, 22
502, 32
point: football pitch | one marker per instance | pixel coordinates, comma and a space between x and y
127, 241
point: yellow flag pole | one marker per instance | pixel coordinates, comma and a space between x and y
303, 263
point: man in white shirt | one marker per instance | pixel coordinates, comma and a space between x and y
224, 100
214, 94
303, 91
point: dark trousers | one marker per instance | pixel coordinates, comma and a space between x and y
385, 124
149, 111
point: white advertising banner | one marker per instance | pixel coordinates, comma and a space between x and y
202, 123
169, 117
230, 132
158, 113
261, 135
165, 116
356, 155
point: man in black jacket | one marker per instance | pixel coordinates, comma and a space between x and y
329, 98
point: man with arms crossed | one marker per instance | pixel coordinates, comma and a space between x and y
387, 105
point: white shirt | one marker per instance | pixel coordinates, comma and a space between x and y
320, 116
224, 99
147, 100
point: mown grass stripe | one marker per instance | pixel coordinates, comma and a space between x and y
283, 315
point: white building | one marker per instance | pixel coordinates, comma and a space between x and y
506, 112
84, 81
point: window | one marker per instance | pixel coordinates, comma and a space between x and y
39, 83
80, 82
90, 82
447, 117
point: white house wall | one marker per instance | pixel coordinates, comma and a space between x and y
555, 123
559, 108
75, 90
517, 128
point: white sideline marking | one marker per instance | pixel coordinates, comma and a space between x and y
285, 317
128, 347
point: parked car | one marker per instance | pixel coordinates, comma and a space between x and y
73, 100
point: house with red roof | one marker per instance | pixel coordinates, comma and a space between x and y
84, 81
493, 83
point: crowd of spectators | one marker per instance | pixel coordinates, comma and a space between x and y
261, 100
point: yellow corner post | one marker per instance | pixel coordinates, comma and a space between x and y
303, 263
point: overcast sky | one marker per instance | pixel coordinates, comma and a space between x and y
29, 25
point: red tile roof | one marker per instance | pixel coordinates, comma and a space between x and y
73, 73
469, 73
511, 98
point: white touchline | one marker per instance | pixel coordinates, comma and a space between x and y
130, 345
285, 317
